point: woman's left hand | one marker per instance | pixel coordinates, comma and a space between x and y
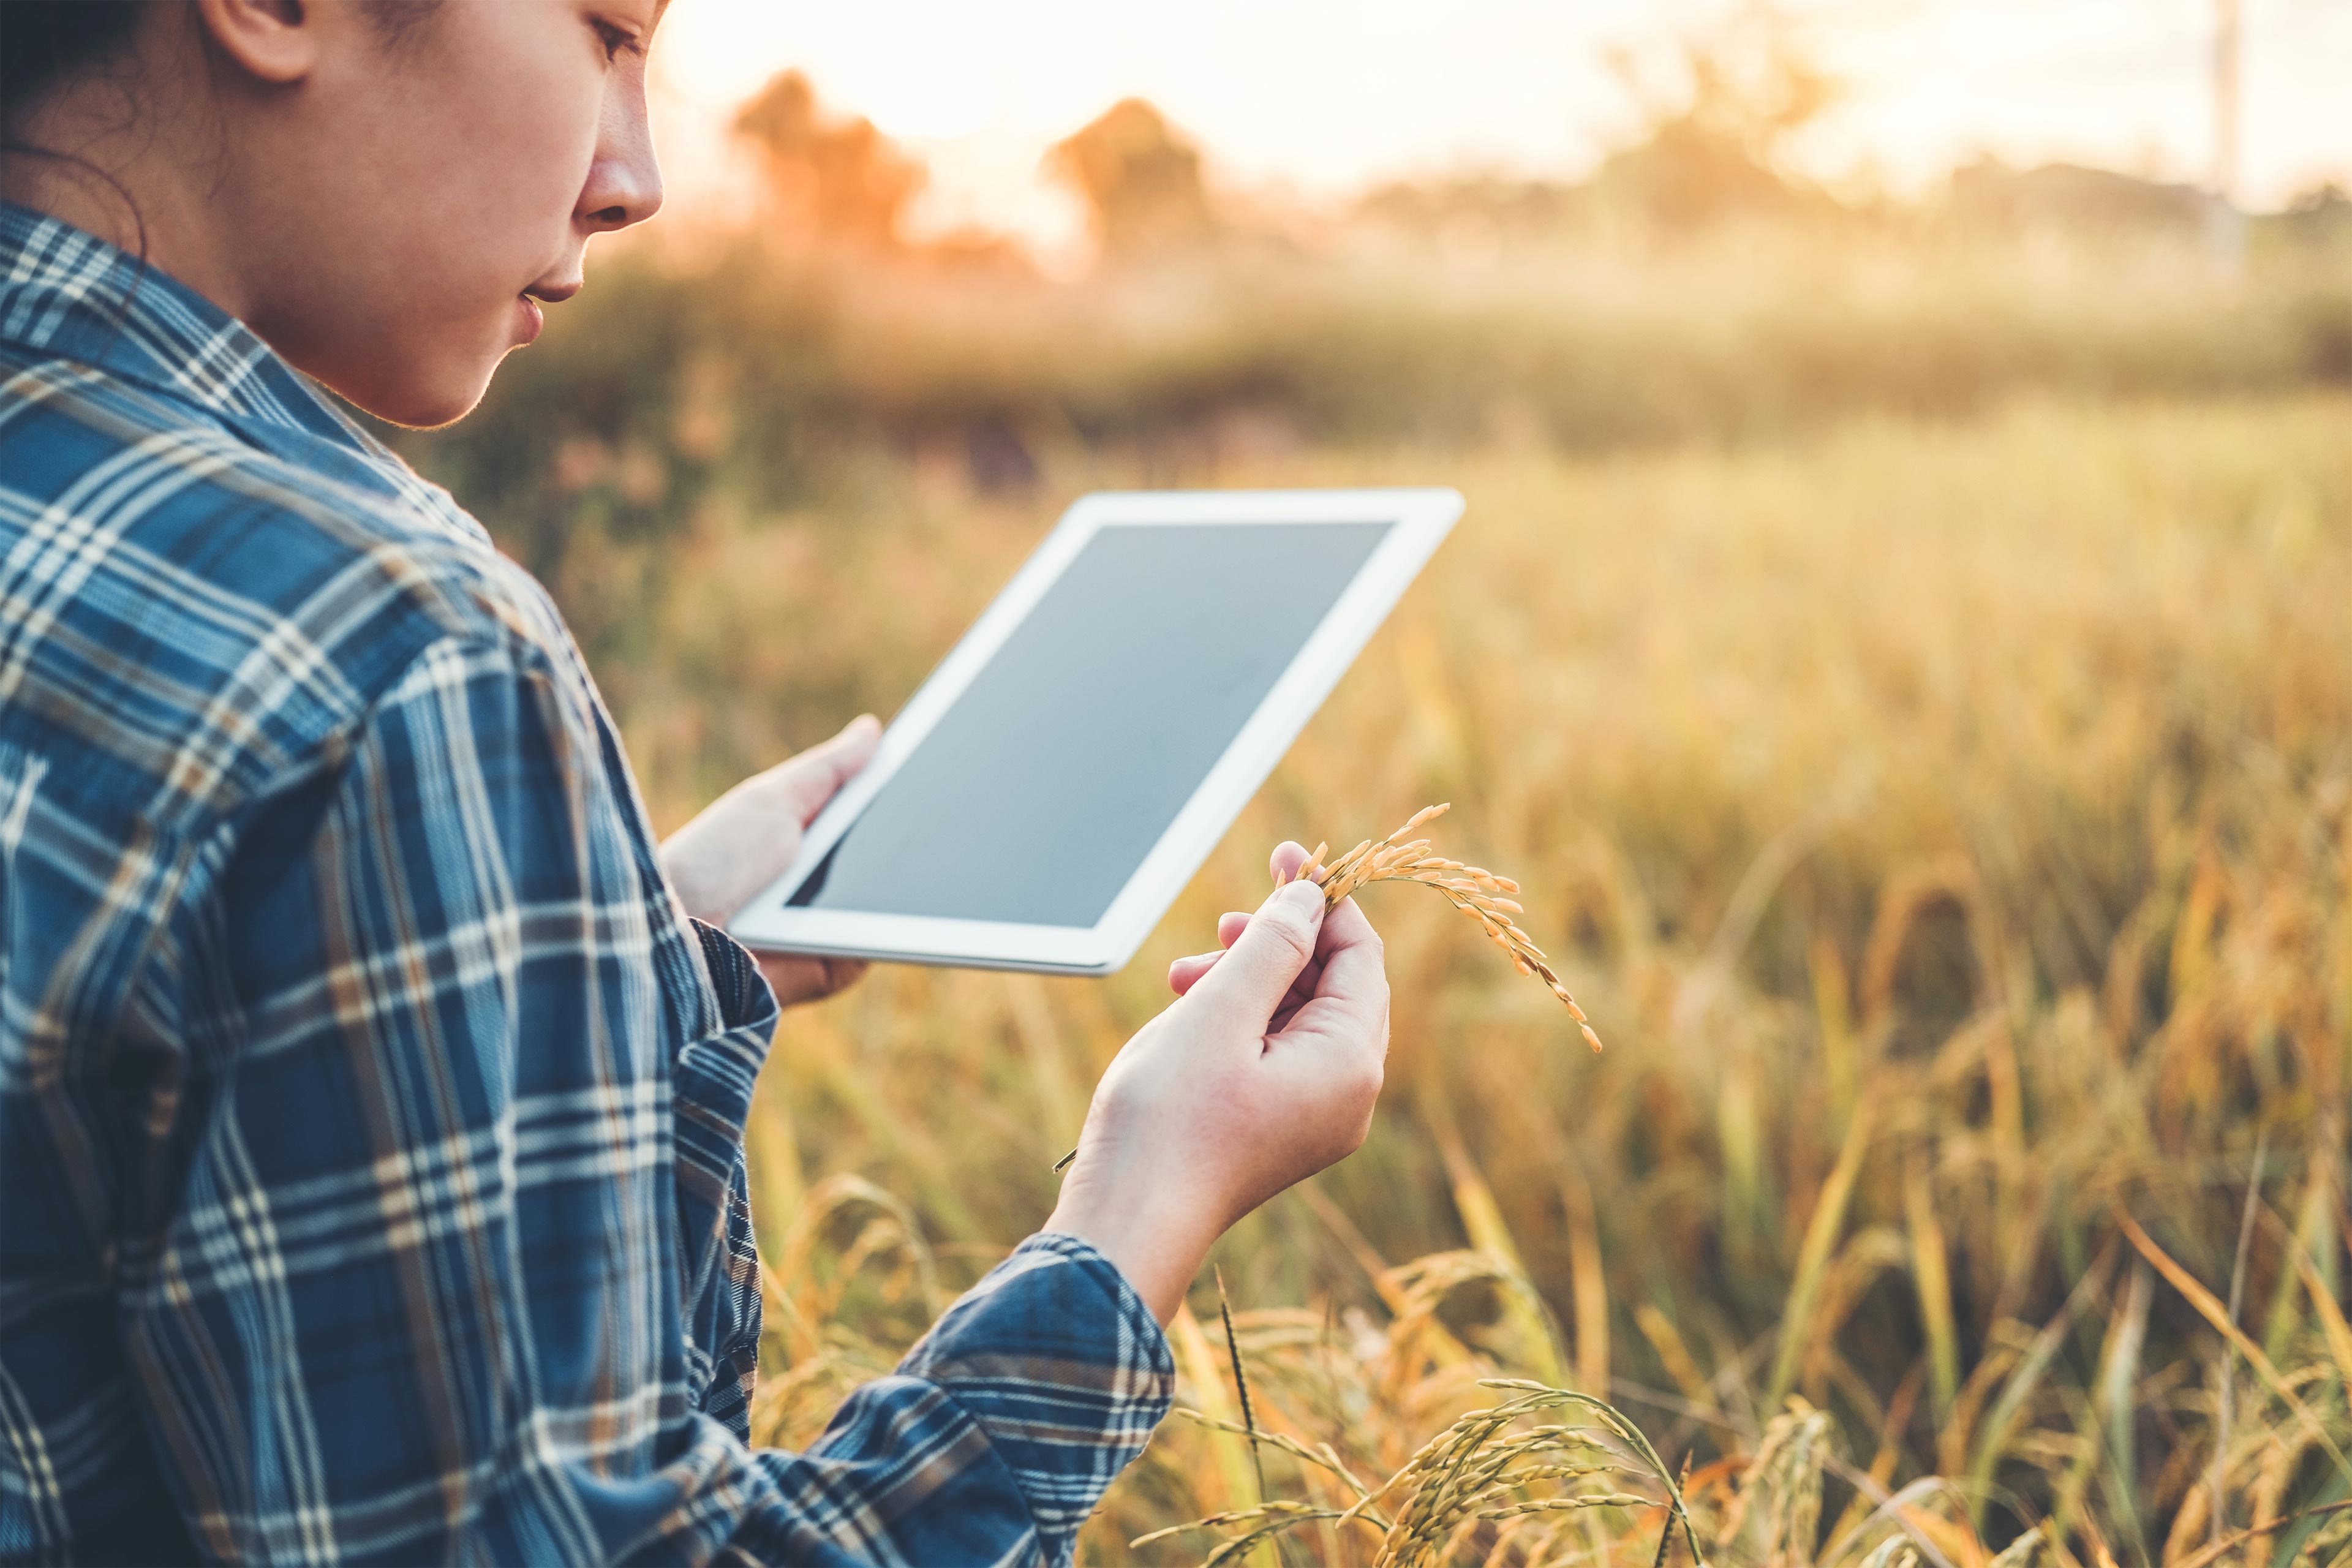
746, 839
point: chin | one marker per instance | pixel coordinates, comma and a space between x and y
422, 390
425, 403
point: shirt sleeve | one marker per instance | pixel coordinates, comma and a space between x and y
459, 1265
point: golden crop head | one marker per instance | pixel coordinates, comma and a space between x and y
1475, 891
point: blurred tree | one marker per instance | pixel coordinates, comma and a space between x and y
836, 181
1140, 178
1714, 138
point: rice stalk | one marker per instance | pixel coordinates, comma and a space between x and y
1475, 890
1813, 1255
1931, 1275
1241, 1380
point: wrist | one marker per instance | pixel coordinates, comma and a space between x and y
1158, 1245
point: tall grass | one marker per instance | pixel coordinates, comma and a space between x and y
1951, 823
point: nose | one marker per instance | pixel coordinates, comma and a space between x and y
624, 184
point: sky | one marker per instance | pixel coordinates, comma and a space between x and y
1317, 98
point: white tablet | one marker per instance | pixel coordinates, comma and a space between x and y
1045, 795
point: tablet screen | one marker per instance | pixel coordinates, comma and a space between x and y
1043, 787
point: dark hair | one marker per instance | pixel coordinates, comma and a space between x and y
42, 41
45, 42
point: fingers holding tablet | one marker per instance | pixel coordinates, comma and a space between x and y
744, 838
802, 784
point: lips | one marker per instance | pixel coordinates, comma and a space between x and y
554, 292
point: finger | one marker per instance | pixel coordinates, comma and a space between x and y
805, 783
1302, 990
1300, 994
1251, 980
796, 981
1346, 925
1347, 949
1288, 858
1186, 973
1351, 992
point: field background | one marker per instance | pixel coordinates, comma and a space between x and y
1904, 652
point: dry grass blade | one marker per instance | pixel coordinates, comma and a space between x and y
2211, 1310
1241, 1380
2333, 1325
1282, 1515
2219, 1549
1475, 890
1323, 1455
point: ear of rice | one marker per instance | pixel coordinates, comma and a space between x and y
1473, 889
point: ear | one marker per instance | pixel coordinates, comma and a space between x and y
276, 41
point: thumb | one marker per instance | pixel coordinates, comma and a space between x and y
806, 782
1249, 982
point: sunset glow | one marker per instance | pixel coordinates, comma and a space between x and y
1322, 97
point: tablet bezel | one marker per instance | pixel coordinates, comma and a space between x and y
1421, 518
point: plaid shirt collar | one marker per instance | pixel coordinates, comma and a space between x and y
68, 294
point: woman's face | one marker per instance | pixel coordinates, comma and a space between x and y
400, 209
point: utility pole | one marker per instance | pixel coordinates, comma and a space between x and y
2226, 225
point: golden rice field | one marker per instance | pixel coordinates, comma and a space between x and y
1948, 827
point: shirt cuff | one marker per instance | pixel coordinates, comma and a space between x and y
1063, 1367
743, 994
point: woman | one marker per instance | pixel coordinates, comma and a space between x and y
372, 1083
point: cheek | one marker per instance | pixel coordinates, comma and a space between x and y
502, 141
527, 147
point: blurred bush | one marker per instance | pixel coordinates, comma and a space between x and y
773, 377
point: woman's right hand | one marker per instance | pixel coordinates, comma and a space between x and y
1262, 1073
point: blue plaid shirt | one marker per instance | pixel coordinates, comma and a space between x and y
371, 1116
